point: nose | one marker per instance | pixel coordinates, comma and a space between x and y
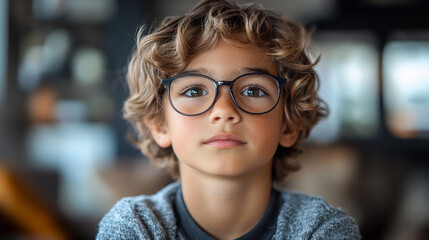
224, 109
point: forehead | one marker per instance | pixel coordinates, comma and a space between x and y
230, 58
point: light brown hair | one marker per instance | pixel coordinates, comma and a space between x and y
167, 51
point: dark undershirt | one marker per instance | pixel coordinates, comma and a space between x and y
265, 228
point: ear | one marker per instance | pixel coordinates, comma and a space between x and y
159, 132
288, 137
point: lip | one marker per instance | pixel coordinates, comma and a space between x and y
224, 141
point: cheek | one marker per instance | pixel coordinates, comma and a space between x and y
269, 135
179, 123
176, 123
267, 131
270, 123
183, 131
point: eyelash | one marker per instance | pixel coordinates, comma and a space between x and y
183, 92
257, 87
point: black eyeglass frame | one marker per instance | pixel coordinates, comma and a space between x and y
167, 82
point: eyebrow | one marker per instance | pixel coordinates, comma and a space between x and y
238, 72
251, 70
203, 71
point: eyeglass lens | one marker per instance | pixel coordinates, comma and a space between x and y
192, 95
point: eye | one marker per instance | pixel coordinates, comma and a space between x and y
194, 91
253, 91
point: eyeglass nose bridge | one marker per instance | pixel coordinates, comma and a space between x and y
226, 83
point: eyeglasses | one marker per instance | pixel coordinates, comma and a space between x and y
195, 94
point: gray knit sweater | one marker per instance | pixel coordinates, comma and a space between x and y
153, 217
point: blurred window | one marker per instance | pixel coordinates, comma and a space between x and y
77, 150
79, 11
3, 49
348, 73
406, 87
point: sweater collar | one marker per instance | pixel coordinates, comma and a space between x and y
264, 229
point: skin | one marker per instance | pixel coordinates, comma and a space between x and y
228, 180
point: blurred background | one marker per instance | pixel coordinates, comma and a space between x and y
64, 154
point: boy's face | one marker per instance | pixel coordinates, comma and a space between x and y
225, 141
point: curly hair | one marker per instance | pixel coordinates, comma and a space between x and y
167, 51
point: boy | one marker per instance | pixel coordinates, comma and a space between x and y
222, 96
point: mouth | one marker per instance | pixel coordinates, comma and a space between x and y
224, 141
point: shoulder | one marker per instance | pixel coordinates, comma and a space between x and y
141, 217
310, 217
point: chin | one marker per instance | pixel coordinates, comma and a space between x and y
232, 172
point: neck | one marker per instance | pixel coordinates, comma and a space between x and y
235, 204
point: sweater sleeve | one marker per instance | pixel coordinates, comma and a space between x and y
141, 217
121, 223
309, 217
337, 227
